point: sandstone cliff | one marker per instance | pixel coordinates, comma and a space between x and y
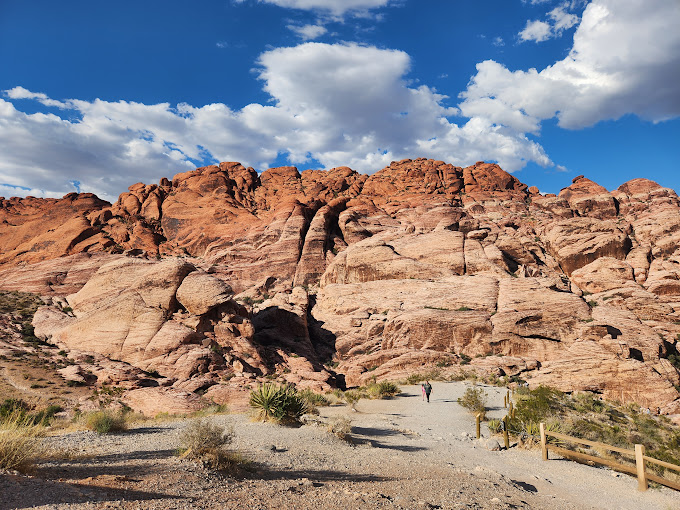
224, 276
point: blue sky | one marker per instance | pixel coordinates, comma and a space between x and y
96, 96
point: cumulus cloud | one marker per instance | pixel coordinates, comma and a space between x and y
559, 20
308, 32
625, 60
340, 104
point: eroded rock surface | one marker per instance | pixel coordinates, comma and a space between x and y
340, 278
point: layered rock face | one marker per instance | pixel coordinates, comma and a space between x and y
421, 264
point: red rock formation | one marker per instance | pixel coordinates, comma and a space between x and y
421, 263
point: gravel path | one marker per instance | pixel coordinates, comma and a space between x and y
408, 454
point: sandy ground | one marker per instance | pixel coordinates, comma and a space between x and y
407, 454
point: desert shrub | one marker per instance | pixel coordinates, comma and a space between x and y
12, 406
474, 399
431, 375
281, 404
45, 416
205, 442
314, 399
341, 427
537, 405
383, 389
200, 436
352, 397
20, 441
105, 422
586, 402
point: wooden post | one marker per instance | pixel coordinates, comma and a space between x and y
505, 433
544, 447
640, 464
505, 401
478, 419
510, 408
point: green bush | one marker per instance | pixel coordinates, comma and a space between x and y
352, 397
105, 422
313, 399
431, 375
537, 405
281, 404
474, 399
383, 389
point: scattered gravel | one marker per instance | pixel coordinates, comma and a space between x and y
406, 454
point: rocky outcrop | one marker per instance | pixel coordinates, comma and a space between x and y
222, 277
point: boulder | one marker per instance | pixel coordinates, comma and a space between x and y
201, 292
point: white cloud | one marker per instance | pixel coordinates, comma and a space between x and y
625, 60
308, 32
498, 41
536, 31
341, 104
562, 20
22, 93
7, 191
334, 7
559, 20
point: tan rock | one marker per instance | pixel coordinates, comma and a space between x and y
603, 274
153, 401
200, 292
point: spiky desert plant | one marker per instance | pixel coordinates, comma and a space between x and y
20, 441
281, 404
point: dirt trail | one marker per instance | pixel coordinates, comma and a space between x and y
408, 454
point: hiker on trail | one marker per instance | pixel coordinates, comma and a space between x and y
427, 389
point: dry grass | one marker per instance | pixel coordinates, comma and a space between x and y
20, 442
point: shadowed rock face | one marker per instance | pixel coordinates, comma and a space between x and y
423, 263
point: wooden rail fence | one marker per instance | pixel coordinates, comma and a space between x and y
638, 454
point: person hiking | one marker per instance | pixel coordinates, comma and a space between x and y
427, 389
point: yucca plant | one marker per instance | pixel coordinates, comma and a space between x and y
281, 404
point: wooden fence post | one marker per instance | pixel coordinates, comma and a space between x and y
506, 439
640, 464
505, 401
544, 447
478, 419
